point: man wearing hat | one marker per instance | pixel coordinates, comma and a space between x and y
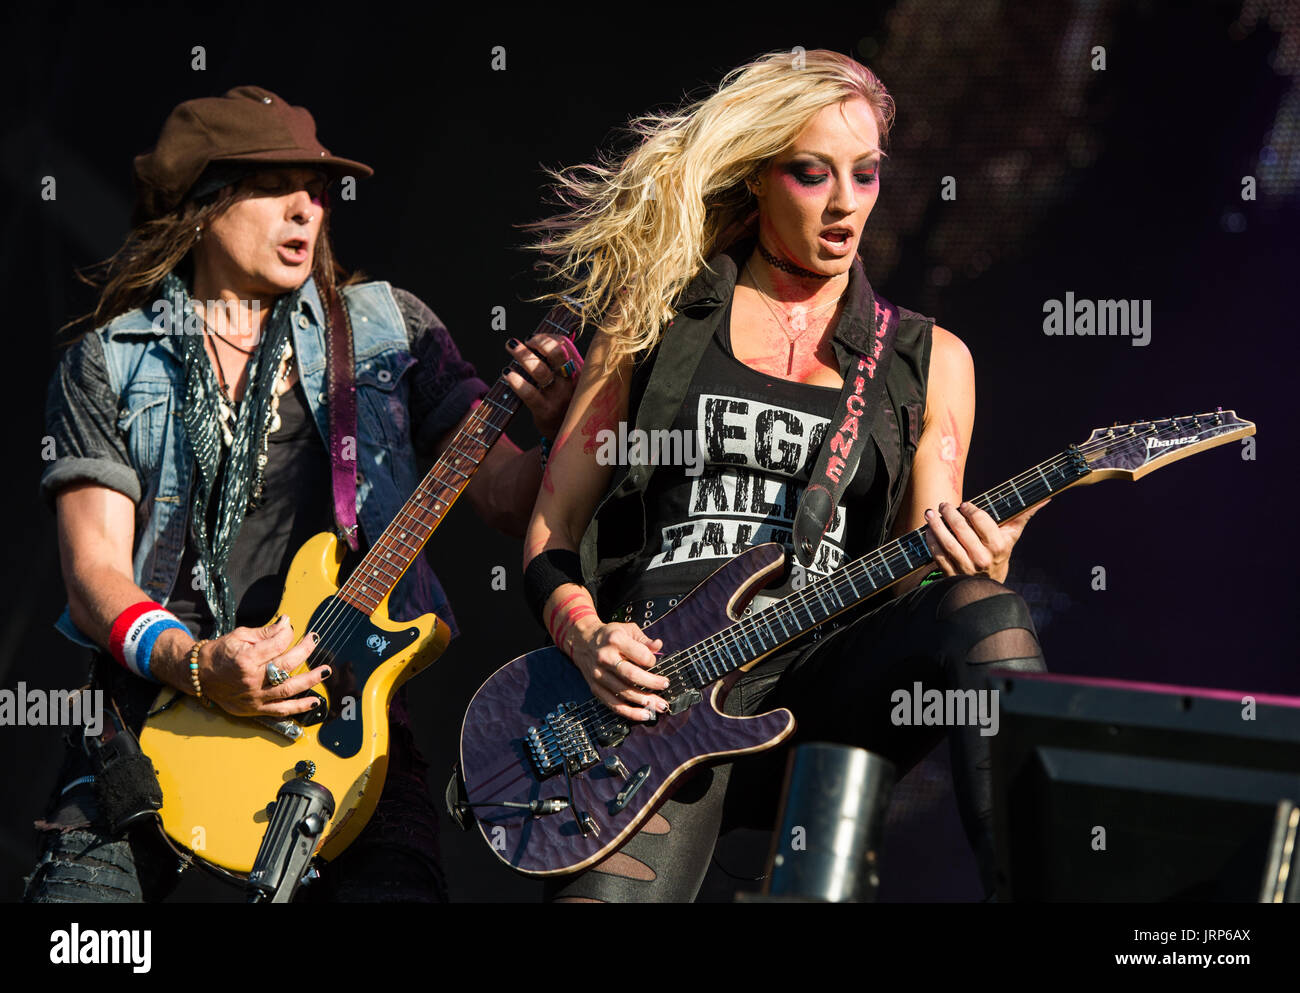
213, 420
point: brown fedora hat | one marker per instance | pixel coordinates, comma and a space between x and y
246, 125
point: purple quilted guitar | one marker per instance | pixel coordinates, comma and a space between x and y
558, 781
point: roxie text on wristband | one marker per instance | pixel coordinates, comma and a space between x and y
134, 632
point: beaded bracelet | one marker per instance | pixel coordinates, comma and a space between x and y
546, 450
194, 665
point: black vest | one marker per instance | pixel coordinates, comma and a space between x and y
617, 531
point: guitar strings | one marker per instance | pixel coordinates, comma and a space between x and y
713, 645
337, 613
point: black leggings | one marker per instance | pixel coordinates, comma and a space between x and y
839, 686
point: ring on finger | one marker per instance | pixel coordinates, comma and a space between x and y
275, 674
569, 368
617, 664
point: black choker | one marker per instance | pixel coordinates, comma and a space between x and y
789, 267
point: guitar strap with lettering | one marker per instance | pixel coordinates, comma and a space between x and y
341, 390
856, 410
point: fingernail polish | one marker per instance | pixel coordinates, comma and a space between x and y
513, 342
327, 672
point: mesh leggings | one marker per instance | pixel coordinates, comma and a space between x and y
945, 636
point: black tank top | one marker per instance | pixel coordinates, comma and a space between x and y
758, 438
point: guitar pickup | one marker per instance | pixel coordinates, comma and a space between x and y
633, 783
683, 700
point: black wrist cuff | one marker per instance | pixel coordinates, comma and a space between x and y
548, 571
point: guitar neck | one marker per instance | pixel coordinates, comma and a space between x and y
793, 616
390, 556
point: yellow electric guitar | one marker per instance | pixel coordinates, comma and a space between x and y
219, 773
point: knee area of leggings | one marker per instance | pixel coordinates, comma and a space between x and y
953, 593
982, 621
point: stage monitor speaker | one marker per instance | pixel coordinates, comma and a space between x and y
1136, 792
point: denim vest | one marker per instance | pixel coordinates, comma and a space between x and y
146, 370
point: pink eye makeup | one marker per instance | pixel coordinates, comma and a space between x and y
811, 174
807, 174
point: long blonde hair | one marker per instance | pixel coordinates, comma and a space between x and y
636, 230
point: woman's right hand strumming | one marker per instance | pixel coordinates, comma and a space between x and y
615, 659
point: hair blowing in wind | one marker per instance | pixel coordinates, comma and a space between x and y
635, 230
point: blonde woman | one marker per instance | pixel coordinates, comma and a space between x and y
723, 252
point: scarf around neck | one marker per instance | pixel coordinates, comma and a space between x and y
201, 416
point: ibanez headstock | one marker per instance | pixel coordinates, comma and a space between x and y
1133, 450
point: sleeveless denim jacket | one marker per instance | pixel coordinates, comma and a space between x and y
146, 370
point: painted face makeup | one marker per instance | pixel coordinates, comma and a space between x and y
820, 192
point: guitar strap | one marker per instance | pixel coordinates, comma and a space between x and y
341, 388
857, 409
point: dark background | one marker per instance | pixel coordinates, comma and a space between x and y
1123, 183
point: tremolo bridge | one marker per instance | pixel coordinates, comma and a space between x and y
561, 743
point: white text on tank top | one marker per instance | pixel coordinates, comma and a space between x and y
748, 491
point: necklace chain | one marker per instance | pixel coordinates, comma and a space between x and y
789, 364
226, 404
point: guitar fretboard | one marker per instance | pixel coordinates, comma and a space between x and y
392, 554
820, 600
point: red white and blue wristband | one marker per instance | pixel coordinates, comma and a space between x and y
134, 632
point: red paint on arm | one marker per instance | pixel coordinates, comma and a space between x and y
950, 451
601, 416
604, 405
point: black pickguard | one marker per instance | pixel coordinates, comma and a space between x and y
353, 647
